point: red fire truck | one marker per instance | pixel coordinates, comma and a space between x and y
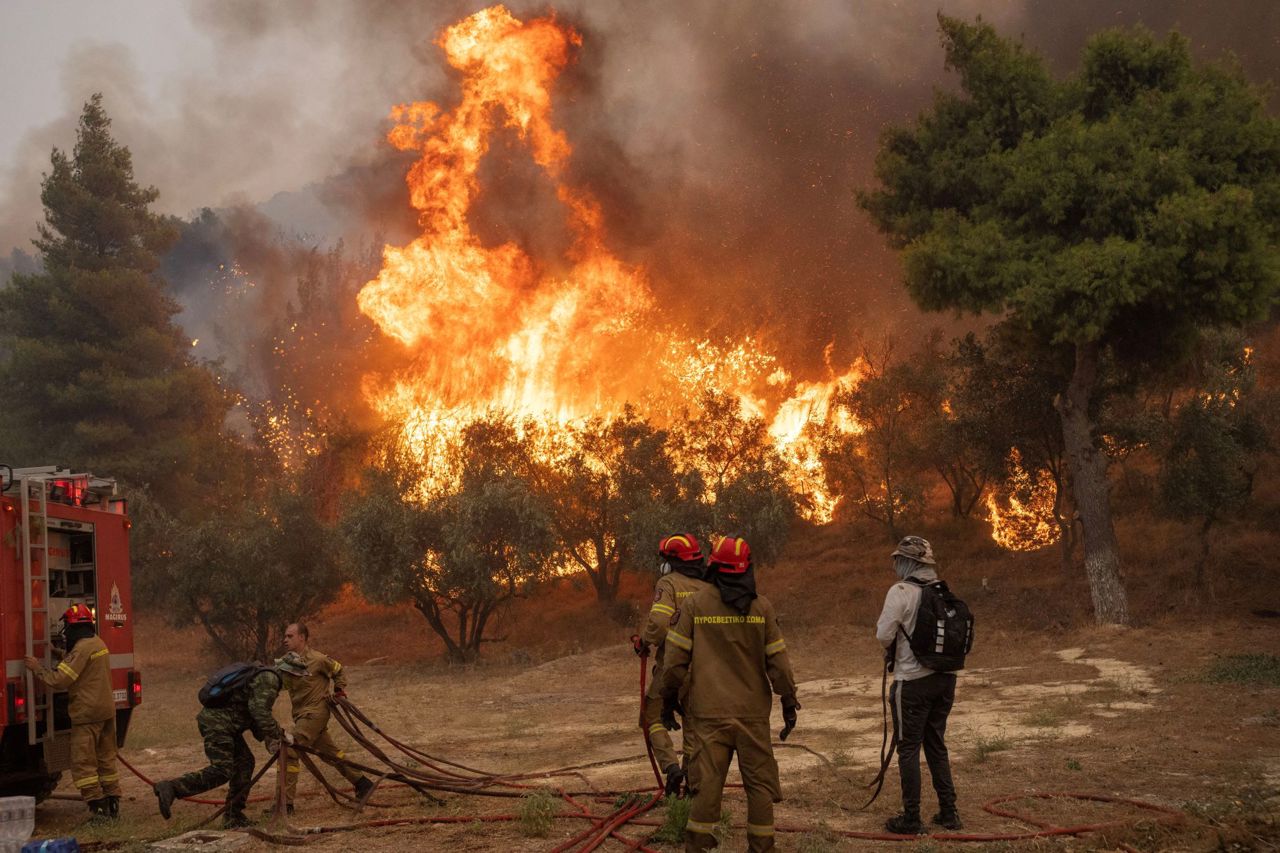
64, 540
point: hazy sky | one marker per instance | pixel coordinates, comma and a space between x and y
726, 139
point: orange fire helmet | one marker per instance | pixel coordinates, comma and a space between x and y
731, 555
78, 615
680, 546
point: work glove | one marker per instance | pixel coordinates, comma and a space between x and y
789, 708
639, 646
288, 738
669, 707
272, 745
339, 694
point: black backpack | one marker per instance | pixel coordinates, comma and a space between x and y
220, 686
943, 633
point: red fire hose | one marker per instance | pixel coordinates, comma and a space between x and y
602, 828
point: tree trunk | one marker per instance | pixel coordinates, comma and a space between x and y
1088, 467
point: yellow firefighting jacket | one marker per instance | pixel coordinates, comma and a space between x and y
309, 693
670, 592
729, 660
85, 674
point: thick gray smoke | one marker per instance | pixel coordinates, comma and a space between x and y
726, 140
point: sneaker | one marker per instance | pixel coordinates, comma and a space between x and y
675, 778
948, 819
165, 794
903, 824
363, 787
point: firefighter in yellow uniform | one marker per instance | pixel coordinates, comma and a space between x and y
683, 573
308, 675
726, 649
85, 673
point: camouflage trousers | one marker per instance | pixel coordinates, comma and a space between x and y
230, 759
311, 729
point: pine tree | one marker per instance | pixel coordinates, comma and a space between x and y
1115, 214
97, 375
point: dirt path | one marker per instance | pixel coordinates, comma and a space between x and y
1122, 713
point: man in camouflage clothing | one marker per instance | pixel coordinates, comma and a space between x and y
248, 708
308, 676
683, 573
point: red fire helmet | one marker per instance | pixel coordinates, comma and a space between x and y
680, 546
78, 615
731, 555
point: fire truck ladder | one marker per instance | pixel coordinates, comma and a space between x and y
35, 574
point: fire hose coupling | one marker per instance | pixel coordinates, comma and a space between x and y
639, 646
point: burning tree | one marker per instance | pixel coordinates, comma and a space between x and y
880, 466
745, 489
612, 491
457, 553
1139, 198
1217, 438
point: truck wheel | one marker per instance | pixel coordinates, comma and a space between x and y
39, 787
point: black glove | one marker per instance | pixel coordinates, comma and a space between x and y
789, 708
669, 707
639, 646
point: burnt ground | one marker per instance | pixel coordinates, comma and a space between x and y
1127, 713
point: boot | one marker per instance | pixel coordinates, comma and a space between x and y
363, 788
165, 795
99, 809
113, 806
675, 778
905, 824
235, 818
948, 819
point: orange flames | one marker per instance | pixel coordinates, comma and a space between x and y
1026, 522
489, 328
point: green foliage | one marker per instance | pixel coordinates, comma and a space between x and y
456, 536
1261, 670
1142, 187
674, 819
985, 746
1074, 765
245, 572
537, 813
746, 490
1117, 213
881, 469
614, 490
1217, 437
98, 374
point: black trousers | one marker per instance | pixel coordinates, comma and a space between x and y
920, 710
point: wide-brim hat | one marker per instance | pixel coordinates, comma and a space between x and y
915, 548
292, 664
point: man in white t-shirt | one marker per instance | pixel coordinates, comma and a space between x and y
920, 698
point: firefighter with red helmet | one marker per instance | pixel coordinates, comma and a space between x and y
726, 650
682, 574
85, 673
